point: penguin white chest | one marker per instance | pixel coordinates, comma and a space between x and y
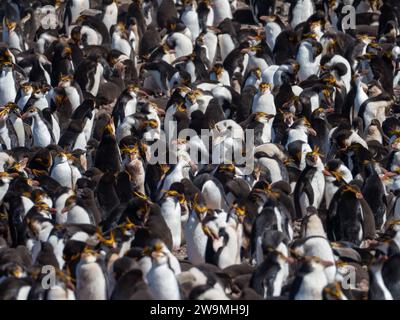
222, 10
318, 185
7, 87
312, 286
14, 41
130, 107
5, 137
110, 15
196, 240
91, 284
212, 195
226, 45
121, 44
162, 283
272, 30
191, 20
92, 37
41, 134
78, 215
65, 174
171, 212
264, 103
80, 142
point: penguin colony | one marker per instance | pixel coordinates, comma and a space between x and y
87, 87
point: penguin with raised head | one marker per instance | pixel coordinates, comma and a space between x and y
309, 190
8, 86
91, 280
161, 278
42, 133
171, 210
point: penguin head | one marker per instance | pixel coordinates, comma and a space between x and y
65, 52
353, 190
65, 81
238, 212
4, 111
159, 253
176, 191
304, 125
88, 256
313, 263
109, 129
43, 208
334, 170
264, 88
256, 72
210, 226
198, 206
333, 291
132, 152
263, 117
5, 178
313, 157
6, 66
132, 89
27, 88
13, 269
6, 56
316, 26
218, 69
11, 25
69, 203
188, 4
192, 96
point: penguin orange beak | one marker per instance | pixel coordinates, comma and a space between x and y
11, 26
160, 111
312, 132
326, 173
326, 264
65, 210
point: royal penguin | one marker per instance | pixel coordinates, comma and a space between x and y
42, 132
264, 100
310, 187
64, 172
161, 278
308, 56
171, 211
91, 281
8, 89
310, 280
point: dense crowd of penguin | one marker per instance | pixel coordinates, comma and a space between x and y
87, 87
